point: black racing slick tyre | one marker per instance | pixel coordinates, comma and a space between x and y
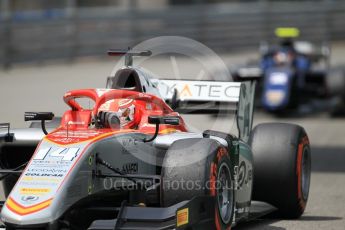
282, 167
204, 166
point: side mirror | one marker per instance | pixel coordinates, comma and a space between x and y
39, 116
168, 120
157, 120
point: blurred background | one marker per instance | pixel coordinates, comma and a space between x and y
49, 47
40, 30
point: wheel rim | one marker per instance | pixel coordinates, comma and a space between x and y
224, 193
306, 168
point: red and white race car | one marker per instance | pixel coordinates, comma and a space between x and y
124, 161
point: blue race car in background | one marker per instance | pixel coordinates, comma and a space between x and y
293, 73
284, 70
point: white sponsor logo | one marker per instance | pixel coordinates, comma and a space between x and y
65, 154
201, 90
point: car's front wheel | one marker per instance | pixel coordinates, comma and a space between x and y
203, 165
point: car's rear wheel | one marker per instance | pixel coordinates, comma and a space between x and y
206, 164
282, 167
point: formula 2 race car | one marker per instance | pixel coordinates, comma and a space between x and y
130, 162
295, 73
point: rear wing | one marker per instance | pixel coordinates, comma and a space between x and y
203, 91
210, 96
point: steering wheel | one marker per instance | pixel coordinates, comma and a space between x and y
126, 94
70, 97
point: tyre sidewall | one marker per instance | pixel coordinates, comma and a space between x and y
221, 157
302, 148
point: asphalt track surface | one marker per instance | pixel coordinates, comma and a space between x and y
40, 88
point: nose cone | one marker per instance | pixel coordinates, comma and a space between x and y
34, 212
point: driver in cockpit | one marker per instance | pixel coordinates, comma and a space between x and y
118, 113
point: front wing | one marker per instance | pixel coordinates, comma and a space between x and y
197, 213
